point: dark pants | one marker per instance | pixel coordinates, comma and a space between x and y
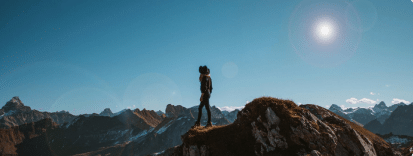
204, 102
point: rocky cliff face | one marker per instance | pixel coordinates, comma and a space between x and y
150, 117
269, 126
27, 139
15, 113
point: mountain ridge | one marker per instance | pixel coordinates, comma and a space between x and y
364, 115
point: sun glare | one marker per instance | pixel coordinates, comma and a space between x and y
324, 31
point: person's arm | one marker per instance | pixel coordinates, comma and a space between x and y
204, 85
210, 85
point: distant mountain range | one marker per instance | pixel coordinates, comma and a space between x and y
139, 131
15, 113
364, 115
380, 119
400, 122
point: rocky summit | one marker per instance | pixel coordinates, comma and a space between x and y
270, 126
15, 104
106, 112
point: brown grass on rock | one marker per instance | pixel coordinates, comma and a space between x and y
271, 126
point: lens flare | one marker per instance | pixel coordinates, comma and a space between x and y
320, 34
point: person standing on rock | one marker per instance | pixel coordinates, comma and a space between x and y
206, 90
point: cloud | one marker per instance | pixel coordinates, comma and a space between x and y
397, 101
363, 100
230, 108
368, 101
352, 101
371, 93
387, 85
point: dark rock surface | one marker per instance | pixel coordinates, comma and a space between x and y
270, 126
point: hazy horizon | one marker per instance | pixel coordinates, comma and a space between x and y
83, 57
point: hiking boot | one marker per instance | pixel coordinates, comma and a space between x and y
197, 124
209, 124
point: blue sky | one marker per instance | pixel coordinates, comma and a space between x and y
84, 56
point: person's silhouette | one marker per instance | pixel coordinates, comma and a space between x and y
206, 90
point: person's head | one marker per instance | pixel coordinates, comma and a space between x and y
203, 70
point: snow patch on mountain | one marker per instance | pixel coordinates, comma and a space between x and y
9, 113
72, 122
141, 134
120, 112
230, 108
365, 114
164, 128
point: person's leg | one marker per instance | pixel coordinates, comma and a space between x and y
206, 99
208, 111
200, 111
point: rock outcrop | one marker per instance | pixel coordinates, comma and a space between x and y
270, 126
408, 151
151, 117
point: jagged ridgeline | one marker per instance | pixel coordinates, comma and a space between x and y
25, 131
266, 126
15, 113
270, 126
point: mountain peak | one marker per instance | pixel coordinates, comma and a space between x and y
335, 107
106, 112
15, 104
175, 111
381, 105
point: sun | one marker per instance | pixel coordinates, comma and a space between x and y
324, 31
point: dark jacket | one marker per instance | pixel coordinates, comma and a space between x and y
206, 84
